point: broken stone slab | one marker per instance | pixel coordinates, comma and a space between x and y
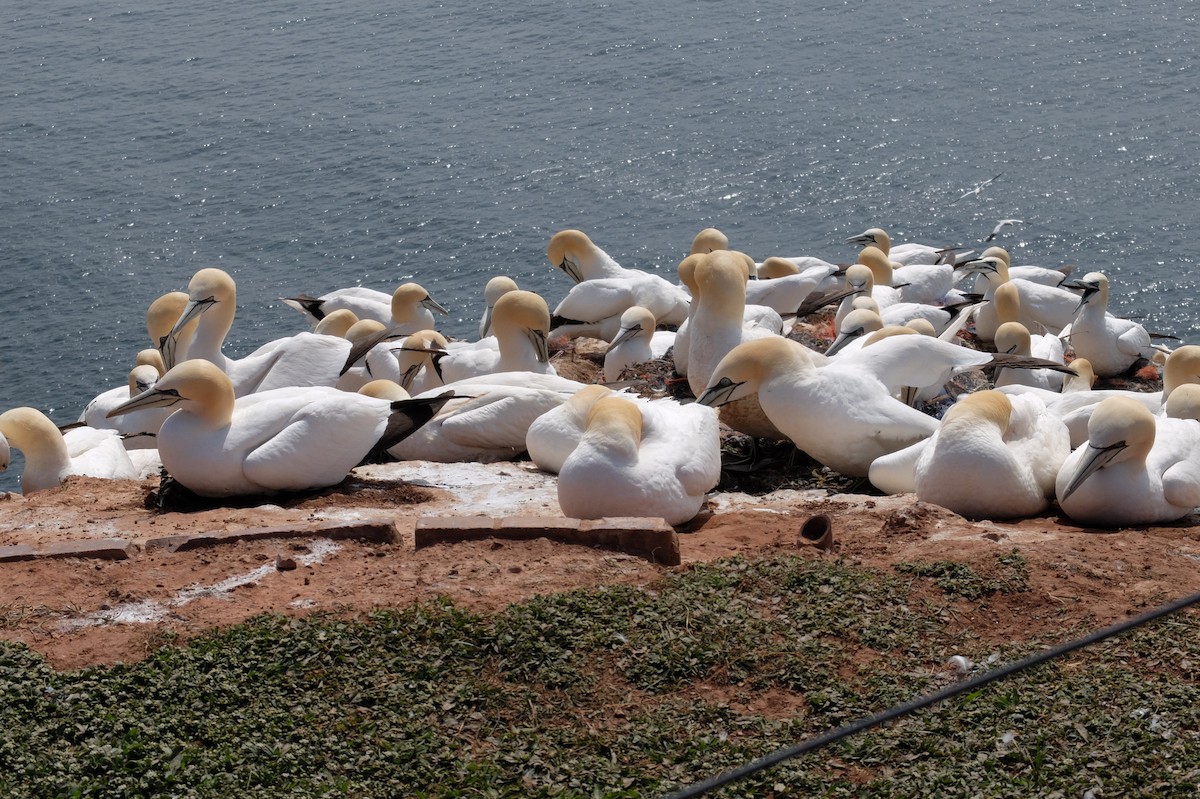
375, 531
100, 548
649, 537
17, 552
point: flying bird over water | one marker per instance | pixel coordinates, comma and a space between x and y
1001, 225
978, 188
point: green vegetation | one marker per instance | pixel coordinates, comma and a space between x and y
1010, 576
611, 692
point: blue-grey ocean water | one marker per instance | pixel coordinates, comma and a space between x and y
362, 143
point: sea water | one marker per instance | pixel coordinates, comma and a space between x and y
304, 149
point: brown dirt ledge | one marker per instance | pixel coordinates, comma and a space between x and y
85, 611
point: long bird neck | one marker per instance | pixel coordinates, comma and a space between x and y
211, 331
39, 439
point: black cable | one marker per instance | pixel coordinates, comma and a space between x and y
950, 691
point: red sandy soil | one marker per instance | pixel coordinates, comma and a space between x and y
74, 610
65, 608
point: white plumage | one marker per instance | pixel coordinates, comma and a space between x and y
286, 439
629, 461
52, 456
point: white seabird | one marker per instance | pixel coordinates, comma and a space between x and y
305, 359
418, 357
842, 416
630, 462
51, 456
1133, 470
1003, 223
521, 323
595, 310
992, 457
496, 288
137, 430
409, 306
554, 434
161, 317
287, 439
636, 343
1182, 367
904, 254
487, 419
931, 284
1034, 274
716, 328
978, 188
1014, 339
1110, 344
1042, 307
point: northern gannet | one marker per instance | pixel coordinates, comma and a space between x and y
978, 188
409, 306
1013, 338
716, 328
161, 317
305, 359
637, 342
843, 417
1135, 469
992, 457
521, 323
287, 439
595, 310
1042, 307
931, 284
629, 461
1003, 223
137, 430
904, 254
1110, 344
496, 288
52, 456
487, 419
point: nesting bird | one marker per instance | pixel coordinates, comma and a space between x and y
844, 417
992, 457
52, 456
1135, 469
629, 461
286, 439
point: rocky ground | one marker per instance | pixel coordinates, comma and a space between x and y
81, 611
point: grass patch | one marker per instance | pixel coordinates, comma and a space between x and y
608, 692
1009, 576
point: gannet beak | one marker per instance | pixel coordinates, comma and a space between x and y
863, 239
432, 304
538, 338
842, 340
169, 343
625, 334
487, 322
1089, 290
1097, 458
719, 393
572, 270
154, 398
409, 375
977, 266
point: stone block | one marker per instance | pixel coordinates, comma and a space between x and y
17, 552
449, 529
100, 548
